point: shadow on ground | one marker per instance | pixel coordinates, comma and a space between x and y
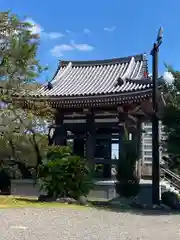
116, 207
28, 200
119, 207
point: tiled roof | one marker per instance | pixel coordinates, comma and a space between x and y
88, 78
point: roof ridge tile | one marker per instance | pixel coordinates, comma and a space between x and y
138, 57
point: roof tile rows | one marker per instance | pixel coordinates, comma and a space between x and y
85, 78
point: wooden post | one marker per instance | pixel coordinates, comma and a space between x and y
137, 138
90, 139
60, 133
120, 134
107, 163
139, 135
78, 145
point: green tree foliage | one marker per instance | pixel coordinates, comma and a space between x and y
171, 119
127, 181
19, 69
23, 148
64, 175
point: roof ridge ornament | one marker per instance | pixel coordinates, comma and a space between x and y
49, 86
129, 68
119, 82
61, 74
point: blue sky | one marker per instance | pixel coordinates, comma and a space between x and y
99, 29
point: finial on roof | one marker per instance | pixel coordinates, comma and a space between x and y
145, 75
49, 86
119, 82
160, 35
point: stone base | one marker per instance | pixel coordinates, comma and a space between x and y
146, 171
104, 189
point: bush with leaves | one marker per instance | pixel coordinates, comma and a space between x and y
5, 181
171, 199
64, 175
171, 119
127, 182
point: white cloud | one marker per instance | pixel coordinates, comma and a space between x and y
82, 46
68, 31
168, 77
87, 31
110, 29
55, 35
37, 29
59, 50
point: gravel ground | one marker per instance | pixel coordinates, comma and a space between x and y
86, 224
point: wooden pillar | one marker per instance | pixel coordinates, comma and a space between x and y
120, 135
107, 159
137, 139
60, 133
78, 145
90, 139
139, 136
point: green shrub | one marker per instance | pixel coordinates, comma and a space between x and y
128, 188
5, 182
98, 170
170, 199
64, 175
127, 182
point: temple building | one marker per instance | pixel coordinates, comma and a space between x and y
93, 99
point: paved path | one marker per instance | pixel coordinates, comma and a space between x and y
85, 224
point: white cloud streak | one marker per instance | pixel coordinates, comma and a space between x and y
86, 31
68, 31
110, 29
59, 50
55, 35
82, 46
37, 29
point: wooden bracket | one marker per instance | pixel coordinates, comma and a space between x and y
134, 119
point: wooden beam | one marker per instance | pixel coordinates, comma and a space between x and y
134, 119
104, 113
